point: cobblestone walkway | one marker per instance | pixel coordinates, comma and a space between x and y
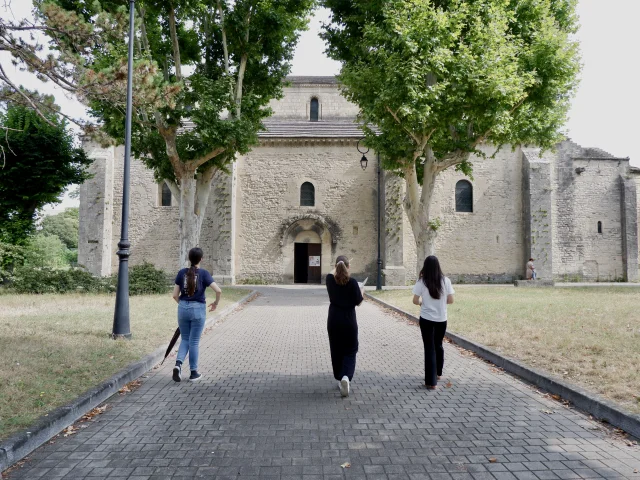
269, 408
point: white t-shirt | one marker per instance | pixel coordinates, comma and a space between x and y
432, 309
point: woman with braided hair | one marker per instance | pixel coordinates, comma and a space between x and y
189, 292
345, 295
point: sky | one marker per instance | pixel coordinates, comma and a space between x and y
604, 112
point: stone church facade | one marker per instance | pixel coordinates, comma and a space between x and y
300, 198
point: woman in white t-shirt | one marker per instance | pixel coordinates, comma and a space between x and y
433, 292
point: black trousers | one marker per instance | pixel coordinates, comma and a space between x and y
343, 342
432, 336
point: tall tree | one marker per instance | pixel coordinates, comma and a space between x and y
436, 79
205, 71
64, 225
38, 161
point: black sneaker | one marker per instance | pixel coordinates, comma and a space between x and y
177, 373
195, 376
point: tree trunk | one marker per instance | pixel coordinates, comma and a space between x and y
194, 197
188, 225
418, 207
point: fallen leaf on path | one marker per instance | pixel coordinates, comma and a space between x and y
493, 460
346, 465
449, 385
556, 397
95, 412
130, 387
548, 412
70, 430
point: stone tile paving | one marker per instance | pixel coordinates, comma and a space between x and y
269, 408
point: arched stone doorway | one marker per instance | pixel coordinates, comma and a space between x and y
307, 249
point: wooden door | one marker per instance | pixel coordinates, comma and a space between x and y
315, 260
301, 263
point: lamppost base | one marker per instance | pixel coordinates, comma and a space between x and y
117, 336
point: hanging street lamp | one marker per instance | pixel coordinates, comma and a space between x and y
363, 163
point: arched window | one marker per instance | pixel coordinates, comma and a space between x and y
166, 195
307, 195
315, 107
599, 227
464, 196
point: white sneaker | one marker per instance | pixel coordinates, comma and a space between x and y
344, 386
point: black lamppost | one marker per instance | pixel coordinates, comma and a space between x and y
121, 322
363, 164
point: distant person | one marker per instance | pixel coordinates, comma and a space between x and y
344, 295
433, 292
189, 292
531, 270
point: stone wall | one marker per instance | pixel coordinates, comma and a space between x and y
269, 215
217, 237
96, 212
296, 102
487, 244
538, 207
153, 229
587, 190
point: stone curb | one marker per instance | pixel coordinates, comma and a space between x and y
18, 446
589, 402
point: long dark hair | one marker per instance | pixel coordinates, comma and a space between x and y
195, 256
342, 270
432, 276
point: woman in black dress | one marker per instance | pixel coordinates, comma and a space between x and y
344, 296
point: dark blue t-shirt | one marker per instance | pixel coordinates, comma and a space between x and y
203, 280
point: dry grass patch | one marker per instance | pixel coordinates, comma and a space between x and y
586, 336
55, 347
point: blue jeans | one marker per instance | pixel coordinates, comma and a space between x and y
191, 319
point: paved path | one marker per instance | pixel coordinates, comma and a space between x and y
269, 408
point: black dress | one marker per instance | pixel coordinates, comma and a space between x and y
343, 326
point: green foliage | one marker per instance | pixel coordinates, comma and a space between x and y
63, 225
435, 224
441, 77
45, 251
11, 257
48, 280
145, 279
228, 62
40, 161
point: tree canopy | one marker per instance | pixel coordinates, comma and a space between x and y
204, 74
437, 79
38, 162
63, 225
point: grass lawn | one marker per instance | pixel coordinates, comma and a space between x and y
55, 347
586, 336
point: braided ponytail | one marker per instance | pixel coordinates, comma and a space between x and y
195, 256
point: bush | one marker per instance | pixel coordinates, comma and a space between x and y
48, 280
45, 251
146, 279
11, 257
63, 225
